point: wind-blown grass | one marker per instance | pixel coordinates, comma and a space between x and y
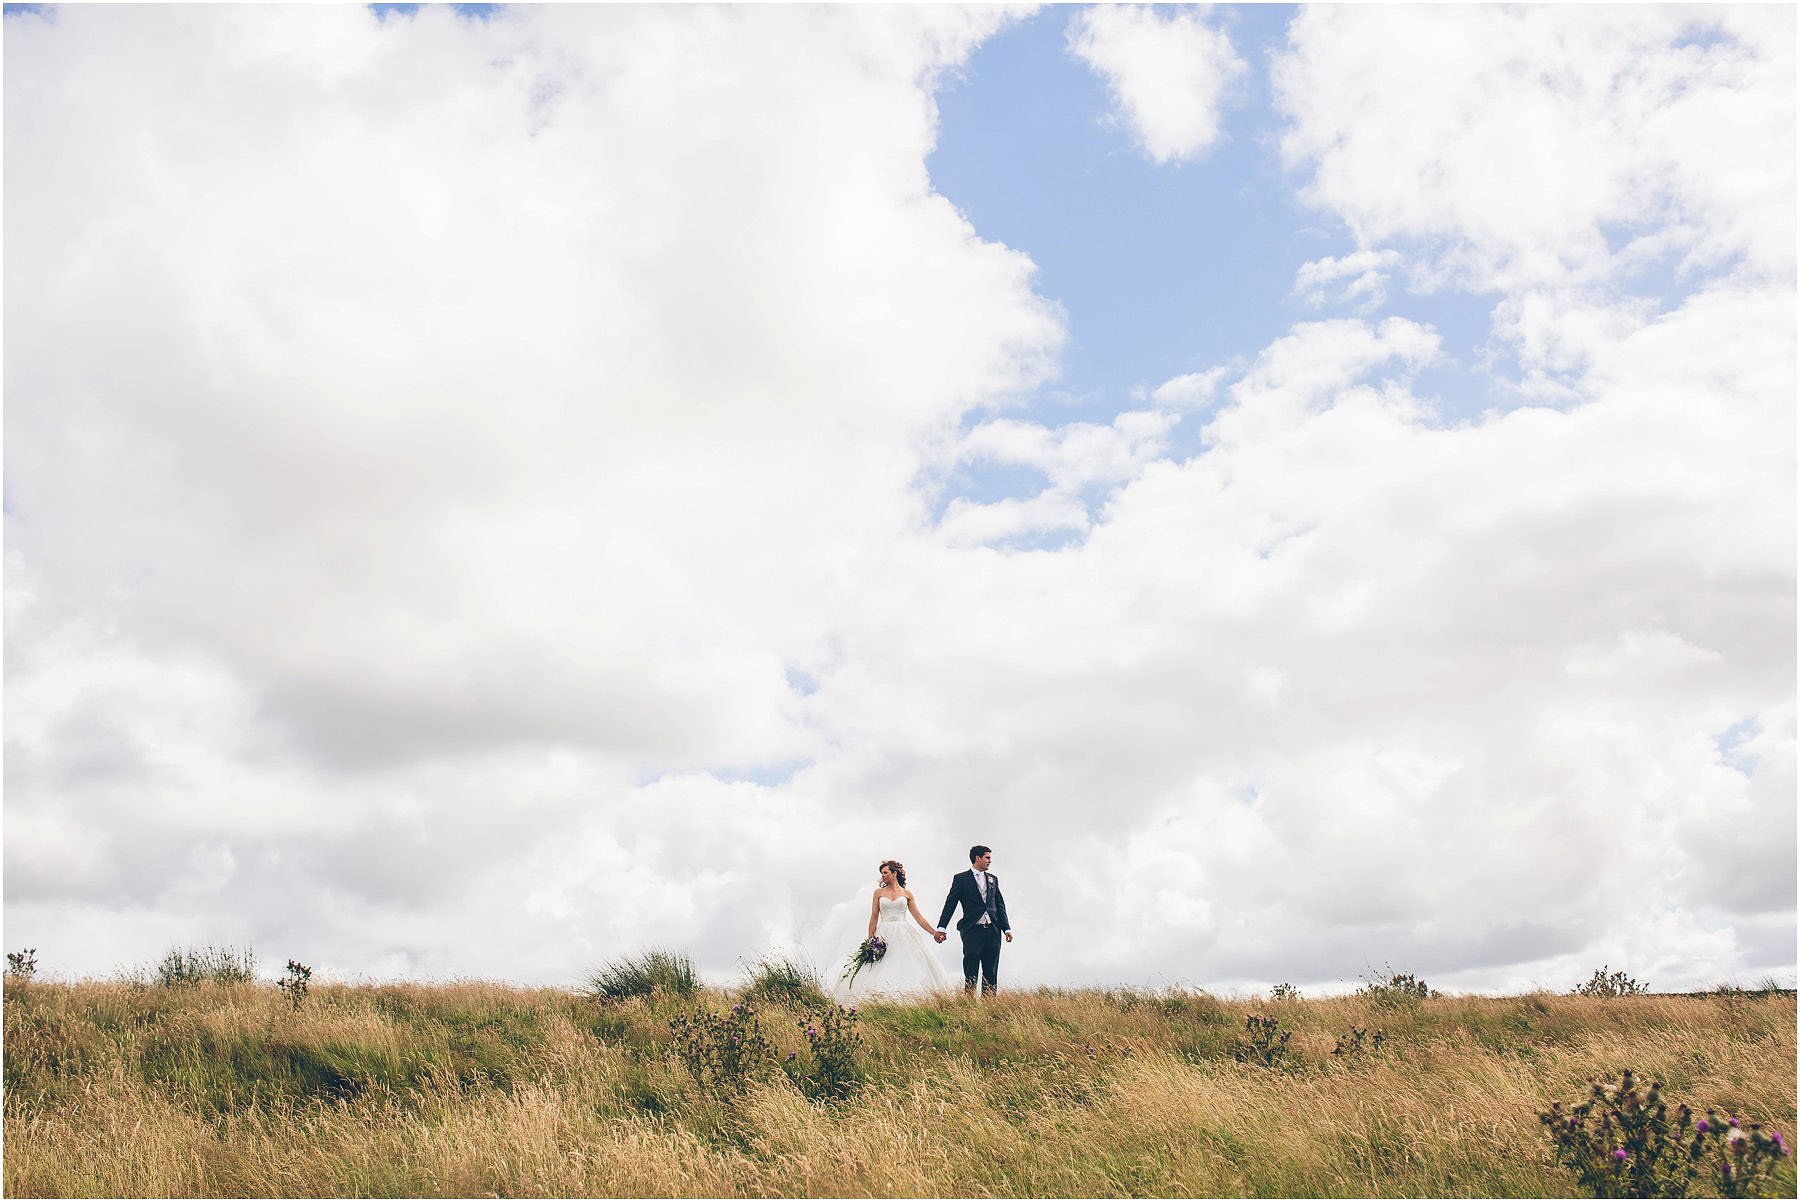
228, 1090
190, 966
652, 973
786, 979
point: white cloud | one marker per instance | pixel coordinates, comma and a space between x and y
969, 523
1073, 458
473, 375
1523, 146
1078, 454
400, 402
1358, 687
1367, 271
1192, 390
1565, 157
1308, 368
1169, 77
445, 459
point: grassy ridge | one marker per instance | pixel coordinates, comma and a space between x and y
476, 1089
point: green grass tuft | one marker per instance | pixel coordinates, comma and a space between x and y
190, 966
785, 981
654, 972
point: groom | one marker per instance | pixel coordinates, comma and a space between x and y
983, 921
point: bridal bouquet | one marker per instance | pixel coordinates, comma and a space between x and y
872, 949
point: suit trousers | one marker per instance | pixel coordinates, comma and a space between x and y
981, 955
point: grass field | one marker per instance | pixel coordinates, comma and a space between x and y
473, 1089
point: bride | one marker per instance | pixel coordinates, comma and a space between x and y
910, 967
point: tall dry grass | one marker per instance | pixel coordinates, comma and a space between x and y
471, 1089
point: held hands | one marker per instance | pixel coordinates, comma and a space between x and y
939, 936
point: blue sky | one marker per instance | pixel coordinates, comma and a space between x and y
1029, 149
1160, 269
475, 11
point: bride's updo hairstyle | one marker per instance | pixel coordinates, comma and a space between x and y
899, 872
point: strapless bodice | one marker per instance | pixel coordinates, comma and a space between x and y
909, 969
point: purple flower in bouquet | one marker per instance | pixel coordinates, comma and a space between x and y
870, 950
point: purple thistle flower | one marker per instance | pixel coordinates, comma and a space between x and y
1702, 1126
1619, 1154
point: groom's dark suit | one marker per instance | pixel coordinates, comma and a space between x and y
980, 940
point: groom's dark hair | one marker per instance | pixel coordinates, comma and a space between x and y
976, 852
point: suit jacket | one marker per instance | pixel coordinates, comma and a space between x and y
964, 892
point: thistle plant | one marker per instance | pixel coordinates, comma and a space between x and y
1284, 992
22, 965
725, 1052
1734, 1161
1394, 989
1616, 984
1267, 1043
1357, 1040
1623, 1142
294, 984
834, 1040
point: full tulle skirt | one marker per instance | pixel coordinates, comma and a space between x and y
909, 971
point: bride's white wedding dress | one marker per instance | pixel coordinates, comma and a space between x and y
910, 968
